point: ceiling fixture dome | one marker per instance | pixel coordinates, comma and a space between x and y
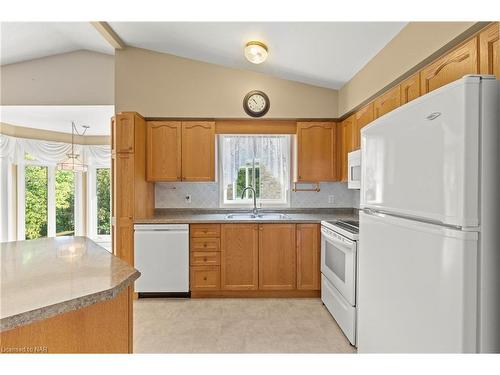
256, 52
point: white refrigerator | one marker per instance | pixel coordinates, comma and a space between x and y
429, 246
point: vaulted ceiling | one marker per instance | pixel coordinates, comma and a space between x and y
325, 54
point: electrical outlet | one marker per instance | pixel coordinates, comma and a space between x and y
187, 198
330, 199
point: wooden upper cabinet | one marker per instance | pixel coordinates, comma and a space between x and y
345, 144
163, 151
410, 88
308, 257
239, 257
316, 152
387, 102
362, 118
198, 151
277, 257
123, 133
489, 50
452, 66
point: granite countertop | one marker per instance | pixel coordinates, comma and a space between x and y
188, 216
50, 276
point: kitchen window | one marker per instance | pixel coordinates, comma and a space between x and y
260, 161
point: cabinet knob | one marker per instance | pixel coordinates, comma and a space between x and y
205, 259
205, 278
204, 245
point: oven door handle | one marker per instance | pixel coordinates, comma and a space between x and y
345, 243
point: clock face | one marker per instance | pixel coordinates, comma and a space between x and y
256, 103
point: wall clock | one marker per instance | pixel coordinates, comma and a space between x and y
256, 103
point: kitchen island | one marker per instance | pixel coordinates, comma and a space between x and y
64, 295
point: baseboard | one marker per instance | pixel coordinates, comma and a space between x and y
256, 294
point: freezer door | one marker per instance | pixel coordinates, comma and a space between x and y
417, 287
421, 159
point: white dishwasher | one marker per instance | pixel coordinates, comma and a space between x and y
161, 253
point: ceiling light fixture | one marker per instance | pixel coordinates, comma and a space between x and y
73, 162
256, 52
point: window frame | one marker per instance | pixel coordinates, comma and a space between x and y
51, 199
261, 203
92, 204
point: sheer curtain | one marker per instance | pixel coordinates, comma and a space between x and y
51, 153
12, 151
260, 161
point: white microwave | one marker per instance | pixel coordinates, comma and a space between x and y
354, 170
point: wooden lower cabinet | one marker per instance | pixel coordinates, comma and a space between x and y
277, 263
255, 260
205, 277
239, 257
308, 256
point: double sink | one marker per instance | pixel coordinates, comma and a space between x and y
262, 216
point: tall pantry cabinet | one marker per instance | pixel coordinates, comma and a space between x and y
132, 196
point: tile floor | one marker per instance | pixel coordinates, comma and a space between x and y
236, 326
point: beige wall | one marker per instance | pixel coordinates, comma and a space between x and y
406, 52
161, 85
76, 78
47, 135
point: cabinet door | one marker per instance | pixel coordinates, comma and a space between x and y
363, 117
239, 257
316, 159
123, 185
198, 151
123, 206
410, 88
123, 133
452, 66
489, 49
163, 151
123, 239
277, 257
308, 256
346, 144
387, 102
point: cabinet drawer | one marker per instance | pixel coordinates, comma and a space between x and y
205, 258
205, 230
205, 244
205, 278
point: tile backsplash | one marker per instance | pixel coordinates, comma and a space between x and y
206, 195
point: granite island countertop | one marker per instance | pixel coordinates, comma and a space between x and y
46, 277
192, 216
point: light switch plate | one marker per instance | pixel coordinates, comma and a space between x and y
330, 199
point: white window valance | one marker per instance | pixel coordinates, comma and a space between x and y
50, 152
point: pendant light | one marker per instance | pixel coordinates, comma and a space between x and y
73, 162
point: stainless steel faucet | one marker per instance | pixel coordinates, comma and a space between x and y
255, 210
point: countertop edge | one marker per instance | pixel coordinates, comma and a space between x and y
46, 312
